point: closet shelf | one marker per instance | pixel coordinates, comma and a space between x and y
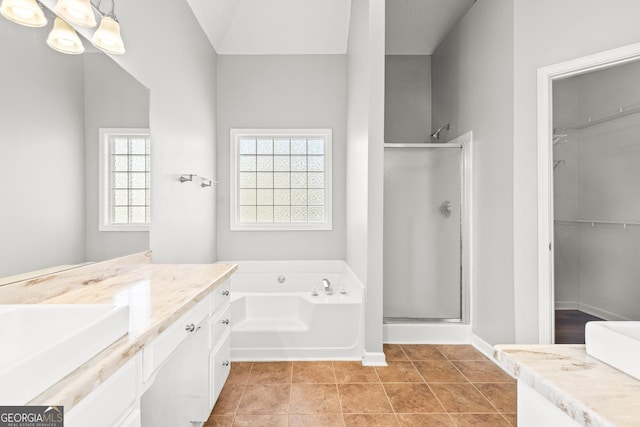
623, 111
595, 222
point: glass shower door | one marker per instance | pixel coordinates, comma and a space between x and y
422, 233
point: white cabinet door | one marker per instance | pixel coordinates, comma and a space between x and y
220, 366
180, 392
108, 403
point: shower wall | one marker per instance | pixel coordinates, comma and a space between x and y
595, 179
422, 226
407, 98
421, 241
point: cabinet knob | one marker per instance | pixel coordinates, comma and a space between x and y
225, 293
190, 327
225, 363
225, 322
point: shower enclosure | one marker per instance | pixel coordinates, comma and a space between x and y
424, 228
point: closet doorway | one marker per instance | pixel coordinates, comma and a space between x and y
593, 212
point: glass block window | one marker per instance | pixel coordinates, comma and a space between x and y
281, 179
125, 176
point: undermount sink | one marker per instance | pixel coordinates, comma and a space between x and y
615, 343
41, 344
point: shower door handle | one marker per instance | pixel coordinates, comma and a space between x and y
445, 208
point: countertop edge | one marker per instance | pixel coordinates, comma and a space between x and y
69, 391
568, 404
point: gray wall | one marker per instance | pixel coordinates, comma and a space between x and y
112, 99
572, 28
180, 72
473, 91
42, 160
282, 91
596, 268
407, 98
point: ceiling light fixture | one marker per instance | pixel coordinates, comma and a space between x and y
78, 12
23, 12
107, 36
63, 37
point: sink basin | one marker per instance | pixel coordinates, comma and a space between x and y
41, 344
616, 344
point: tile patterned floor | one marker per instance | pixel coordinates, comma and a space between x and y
424, 385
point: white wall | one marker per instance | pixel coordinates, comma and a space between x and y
42, 158
168, 52
282, 91
548, 32
472, 78
365, 158
112, 99
596, 267
407, 98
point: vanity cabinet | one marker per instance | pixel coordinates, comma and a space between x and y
184, 384
113, 403
174, 381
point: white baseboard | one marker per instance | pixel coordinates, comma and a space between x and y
487, 349
589, 309
426, 333
374, 359
603, 314
566, 305
482, 346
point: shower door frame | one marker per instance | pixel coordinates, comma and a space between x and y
546, 245
464, 143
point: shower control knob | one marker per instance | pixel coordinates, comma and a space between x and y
281, 278
225, 322
225, 293
190, 327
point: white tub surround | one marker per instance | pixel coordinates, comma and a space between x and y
107, 389
276, 315
562, 385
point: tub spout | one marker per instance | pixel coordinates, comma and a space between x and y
327, 286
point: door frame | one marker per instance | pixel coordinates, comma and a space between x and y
546, 76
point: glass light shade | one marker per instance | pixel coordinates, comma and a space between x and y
64, 39
107, 36
23, 12
77, 12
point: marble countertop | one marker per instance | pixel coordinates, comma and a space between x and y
157, 295
588, 390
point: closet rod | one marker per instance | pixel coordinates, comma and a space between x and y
593, 223
624, 111
421, 145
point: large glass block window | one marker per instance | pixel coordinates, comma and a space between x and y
281, 179
125, 176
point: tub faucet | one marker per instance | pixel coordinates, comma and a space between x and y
327, 287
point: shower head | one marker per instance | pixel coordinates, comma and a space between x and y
436, 135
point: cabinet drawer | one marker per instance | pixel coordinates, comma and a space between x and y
107, 404
220, 295
219, 324
157, 352
220, 366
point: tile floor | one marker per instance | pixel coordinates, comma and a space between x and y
424, 385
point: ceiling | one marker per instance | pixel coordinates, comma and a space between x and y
416, 27
267, 27
295, 27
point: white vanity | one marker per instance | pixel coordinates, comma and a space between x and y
562, 385
171, 363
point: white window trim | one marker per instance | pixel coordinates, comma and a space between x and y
235, 224
104, 171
